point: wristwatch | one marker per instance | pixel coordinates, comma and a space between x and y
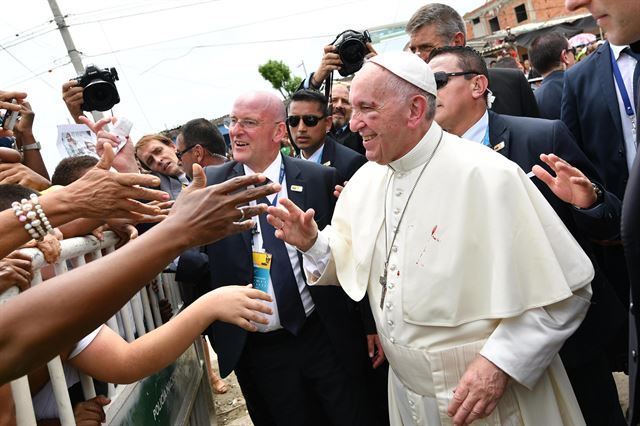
599, 197
32, 146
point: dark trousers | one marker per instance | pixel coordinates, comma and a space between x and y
299, 380
596, 393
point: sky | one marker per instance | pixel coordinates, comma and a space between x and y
176, 60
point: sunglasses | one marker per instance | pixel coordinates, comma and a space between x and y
442, 78
308, 120
179, 154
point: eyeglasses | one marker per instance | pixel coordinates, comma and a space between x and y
442, 78
571, 50
179, 154
245, 123
308, 120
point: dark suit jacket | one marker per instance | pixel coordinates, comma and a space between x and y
513, 93
590, 111
230, 263
549, 95
346, 161
631, 241
524, 140
349, 139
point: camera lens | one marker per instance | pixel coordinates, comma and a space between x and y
352, 51
100, 95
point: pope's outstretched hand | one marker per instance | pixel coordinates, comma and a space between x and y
293, 225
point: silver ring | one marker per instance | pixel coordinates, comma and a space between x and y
241, 214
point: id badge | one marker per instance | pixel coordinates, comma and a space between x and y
261, 268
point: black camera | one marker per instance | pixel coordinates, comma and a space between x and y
100, 93
352, 48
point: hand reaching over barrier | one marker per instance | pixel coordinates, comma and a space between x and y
199, 216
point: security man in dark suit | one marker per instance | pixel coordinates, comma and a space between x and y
551, 56
580, 201
436, 25
603, 128
306, 366
308, 123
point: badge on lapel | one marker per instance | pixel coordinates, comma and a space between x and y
328, 163
499, 146
296, 188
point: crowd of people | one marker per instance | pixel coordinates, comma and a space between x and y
433, 243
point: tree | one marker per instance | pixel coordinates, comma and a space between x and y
279, 75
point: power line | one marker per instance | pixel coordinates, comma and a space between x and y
148, 12
234, 44
233, 27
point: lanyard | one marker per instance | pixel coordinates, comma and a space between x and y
623, 89
255, 231
485, 140
280, 180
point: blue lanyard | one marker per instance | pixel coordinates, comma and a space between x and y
485, 140
623, 89
281, 179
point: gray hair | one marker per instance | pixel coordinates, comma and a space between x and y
447, 21
403, 90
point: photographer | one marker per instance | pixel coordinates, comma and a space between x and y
340, 105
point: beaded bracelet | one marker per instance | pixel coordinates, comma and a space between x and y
31, 214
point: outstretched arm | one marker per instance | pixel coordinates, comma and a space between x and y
293, 225
110, 358
73, 305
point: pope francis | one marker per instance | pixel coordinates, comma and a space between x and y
473, 280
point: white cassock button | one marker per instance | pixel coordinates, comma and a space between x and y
389, 305
398, 192
394, 249
390, 323
411, 403
390, 286
392, 267
396, 210
392, 340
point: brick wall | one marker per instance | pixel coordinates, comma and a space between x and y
504, 11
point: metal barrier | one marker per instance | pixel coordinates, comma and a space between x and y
137, 317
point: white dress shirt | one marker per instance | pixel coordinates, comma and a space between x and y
273, 174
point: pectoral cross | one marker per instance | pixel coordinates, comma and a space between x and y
383, 283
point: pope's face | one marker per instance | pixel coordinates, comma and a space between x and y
619, 18
378, 115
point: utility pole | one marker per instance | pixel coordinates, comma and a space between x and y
76, 61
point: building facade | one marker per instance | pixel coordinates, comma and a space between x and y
497, 15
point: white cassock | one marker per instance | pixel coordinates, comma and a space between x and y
481, 264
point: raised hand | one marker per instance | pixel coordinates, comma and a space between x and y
5, 103
478, 392
72, 94
102, 194
293, 225
569, 183
330, 62
124, 161
240, 305
211, 213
